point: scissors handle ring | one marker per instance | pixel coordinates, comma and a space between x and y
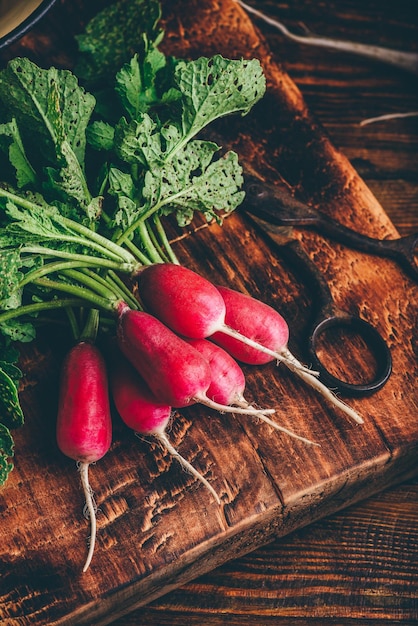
375, 343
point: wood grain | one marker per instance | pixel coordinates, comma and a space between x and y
355, 567
280, 487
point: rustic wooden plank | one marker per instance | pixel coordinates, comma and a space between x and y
355, 566
292, 580
146, 503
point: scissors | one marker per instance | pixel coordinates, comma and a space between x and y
278, 206
275, 212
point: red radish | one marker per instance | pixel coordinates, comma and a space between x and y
256, 319
84, 426
227, 378
141, 411
175, 371
228, 382
192, 306
165, 289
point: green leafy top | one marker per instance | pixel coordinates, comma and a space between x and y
113, 36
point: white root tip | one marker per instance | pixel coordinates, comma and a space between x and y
229, 408
327, 394
387, 116
242, 402
284, 355
163, 439
306, 374
405, 60
282, 429
90, 509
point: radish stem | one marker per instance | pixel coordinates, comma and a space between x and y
30, 309
82, 293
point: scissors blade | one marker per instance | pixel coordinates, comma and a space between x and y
279, 235
276, 204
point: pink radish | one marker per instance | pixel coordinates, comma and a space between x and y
176, 373
227, 378
84, 427
192, 306
228, 382
253, 317
165, 289
141, 411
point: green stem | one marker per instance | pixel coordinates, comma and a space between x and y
107, 282
51, 268
151, 211
75, 328
85, 295
164, 240
157, 245
109, 245
93, 261
93, 282
124, 290
30, 309
91, 327
142, 258
148, 243
128, 243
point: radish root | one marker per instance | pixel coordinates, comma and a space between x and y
263, 417
284, 355
309, 376
163, 439
228, 408
407, 61
327, 394
90, 509
388, 116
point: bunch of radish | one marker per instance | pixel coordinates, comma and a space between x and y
248, 329
181, 347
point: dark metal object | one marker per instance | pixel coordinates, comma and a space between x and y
278, 206
329, 314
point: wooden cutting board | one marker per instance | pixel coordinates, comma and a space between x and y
157, 526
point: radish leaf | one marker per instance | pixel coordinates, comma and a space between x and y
25, 174
49, 105
214, 87
113, 35
10, 410
6, 451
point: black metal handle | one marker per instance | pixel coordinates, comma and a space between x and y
374, 342
331, 316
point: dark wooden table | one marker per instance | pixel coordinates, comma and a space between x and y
359, 566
